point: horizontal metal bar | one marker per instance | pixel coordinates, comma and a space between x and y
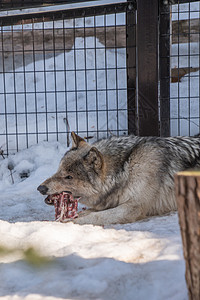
23, 4
63, 91
63, 112
181, 1
19, 4
46, 16
60, 132
63, 70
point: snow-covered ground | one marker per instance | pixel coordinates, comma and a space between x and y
134, 261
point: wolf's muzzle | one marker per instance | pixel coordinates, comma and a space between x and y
42, 189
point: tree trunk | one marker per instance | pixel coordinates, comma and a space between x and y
188, 200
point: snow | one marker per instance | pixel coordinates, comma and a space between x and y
183, 11
184, 101
143, 260
185, 110
89, 111
133, 261
136, 262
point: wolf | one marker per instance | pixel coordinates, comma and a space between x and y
123, 179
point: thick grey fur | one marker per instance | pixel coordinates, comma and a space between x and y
124, 179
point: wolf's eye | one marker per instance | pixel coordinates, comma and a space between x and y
68, 177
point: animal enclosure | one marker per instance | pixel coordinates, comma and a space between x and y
99, 70
184, 92
64, 70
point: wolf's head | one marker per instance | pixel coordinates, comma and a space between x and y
80, 172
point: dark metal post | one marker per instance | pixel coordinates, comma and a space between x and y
164, 66
147, 47
131, 69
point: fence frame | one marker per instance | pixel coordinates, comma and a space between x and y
148, 100
130, 40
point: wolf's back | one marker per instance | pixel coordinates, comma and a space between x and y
183, 151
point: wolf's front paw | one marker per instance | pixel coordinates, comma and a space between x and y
65, 220
75, 221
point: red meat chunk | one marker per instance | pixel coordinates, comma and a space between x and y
65, 206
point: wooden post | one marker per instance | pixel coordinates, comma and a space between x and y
188, 200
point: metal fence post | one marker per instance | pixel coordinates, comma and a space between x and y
147, 49
131, 69
164, 67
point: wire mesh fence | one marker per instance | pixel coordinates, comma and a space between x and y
78, 69
182, 58
65, 70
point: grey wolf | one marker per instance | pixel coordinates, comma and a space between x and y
123, 179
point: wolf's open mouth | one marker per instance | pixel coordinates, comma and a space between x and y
65, 204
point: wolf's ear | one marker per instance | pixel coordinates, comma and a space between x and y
95, 159
76, 140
